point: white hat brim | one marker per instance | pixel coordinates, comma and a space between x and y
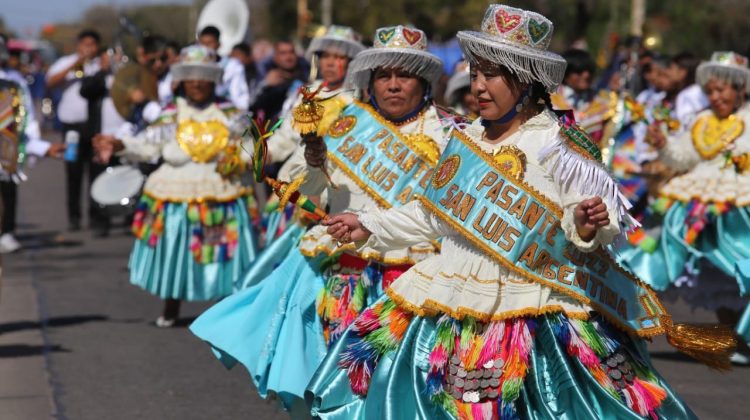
528, 64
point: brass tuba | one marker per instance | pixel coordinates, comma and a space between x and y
230, 17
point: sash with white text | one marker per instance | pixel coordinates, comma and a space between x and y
376, 156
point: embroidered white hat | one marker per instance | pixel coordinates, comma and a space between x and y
518, 40
197, 63
724, 65
395, 47
341, 38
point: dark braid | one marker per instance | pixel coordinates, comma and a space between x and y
539, 92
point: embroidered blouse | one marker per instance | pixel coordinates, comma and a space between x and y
348, 196
710, 177
462, 280
181, 178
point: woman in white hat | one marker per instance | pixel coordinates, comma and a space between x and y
331, 51
523, 314
704, 246
193, 228
377, 154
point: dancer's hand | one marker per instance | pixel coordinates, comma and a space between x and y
56, 150
590, 215
104, 147
346, 228
655, 137
315, 151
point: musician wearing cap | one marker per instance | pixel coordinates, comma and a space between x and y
72, 110
523, 314
375, 154
706, 229
233, 85
192, 225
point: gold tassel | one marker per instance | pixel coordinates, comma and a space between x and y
711, 345
306, 116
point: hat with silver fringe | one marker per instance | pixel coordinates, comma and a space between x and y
724, 65
340, 38
197, 63
518, 40
395, 47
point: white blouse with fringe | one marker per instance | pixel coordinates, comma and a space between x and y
462, 280
347, 196
179, 178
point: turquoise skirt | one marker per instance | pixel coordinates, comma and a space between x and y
167, 264
280, 328
723, 241
392, 365
272, 255
272, 328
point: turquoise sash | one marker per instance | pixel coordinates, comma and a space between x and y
519, 228
371, 151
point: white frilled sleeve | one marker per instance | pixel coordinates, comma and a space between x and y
580, 178
148, 144
679, 152
402, 227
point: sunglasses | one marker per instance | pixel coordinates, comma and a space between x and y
161, 58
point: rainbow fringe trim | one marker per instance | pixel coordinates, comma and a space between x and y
214, 231
599, 348
592, 342
339, 303
475, 345
148, 220
701, 214
377, 331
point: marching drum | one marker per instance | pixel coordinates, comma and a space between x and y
117, 189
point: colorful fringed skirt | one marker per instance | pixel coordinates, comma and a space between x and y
352, 283
191, 251
697, 250
393, 365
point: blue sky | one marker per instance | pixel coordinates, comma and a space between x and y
28, 16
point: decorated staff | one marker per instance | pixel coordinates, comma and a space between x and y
379, 154
523, 298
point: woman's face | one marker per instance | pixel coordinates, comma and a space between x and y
199, 91
396, 92
332, 66
494, 90
470, 102
724, 98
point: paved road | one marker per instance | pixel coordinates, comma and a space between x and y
75, 339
